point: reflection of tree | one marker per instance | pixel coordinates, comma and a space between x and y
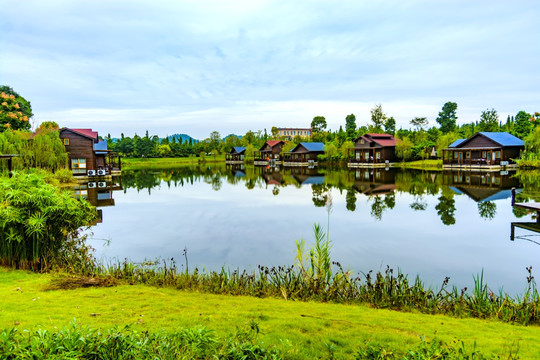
350, 200
275, 191
520, 212
446, 209
390, 200
319, 194
216, 182
377, 207
487, 209
419, 204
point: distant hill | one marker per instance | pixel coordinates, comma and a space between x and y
228, 136
184, 138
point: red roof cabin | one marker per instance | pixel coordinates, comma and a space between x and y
373, 150
269, 152
88, 156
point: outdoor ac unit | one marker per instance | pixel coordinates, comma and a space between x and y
91, 172
504, 163
101, 172
102, 184
92, 184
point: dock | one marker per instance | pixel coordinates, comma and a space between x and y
532, 206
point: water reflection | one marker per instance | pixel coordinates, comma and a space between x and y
435, 224
98, 193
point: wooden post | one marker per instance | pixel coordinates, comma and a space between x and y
10, 174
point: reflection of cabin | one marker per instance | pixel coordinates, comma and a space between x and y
484, 150
236, 156
304, 154
271, 175
374, 181
87, 154
269, 152
97, 193
289, 133
481, 186
373, 150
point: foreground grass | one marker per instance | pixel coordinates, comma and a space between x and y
167, 163
302, 330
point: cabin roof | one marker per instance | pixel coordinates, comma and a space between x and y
238, 149
380, 139
83, 132
503, 138
499, 138
273, 143
310, 146
101, 148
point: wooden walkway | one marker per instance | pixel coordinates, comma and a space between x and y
532, 206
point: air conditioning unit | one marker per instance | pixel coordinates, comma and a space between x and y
504, 163
101, 172
91, 172
92, 184
102, 184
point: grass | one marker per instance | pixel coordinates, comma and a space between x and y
428, 164
167, 163
302, 330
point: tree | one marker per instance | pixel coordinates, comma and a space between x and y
378, 117
447, 117
390, 126
318, 124
419, 123
275, 132
215, 139
489, 120
522, 125
350, 200
350, 126
15, 111
404, 149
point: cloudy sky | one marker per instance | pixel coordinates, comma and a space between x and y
233, 66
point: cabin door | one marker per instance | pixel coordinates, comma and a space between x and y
460, 157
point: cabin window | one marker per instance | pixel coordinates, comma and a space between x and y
455, 155
468, 155
78, 166
366, 155
362, 141
357, 155
66, 141
498, 154
378, 155
483, 154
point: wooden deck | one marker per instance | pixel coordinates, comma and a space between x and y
532, 206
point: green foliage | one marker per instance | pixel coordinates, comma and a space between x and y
15, 111
390, 126
489, 121
350, 126
419, 122
447, 117
404, 149
318, 124
38, 221
378, 118
522, 125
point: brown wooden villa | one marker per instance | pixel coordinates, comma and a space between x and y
373, 150
236, 155
89, 156
484, 150
304, 154
269, 152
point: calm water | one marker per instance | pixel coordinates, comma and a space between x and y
426, 223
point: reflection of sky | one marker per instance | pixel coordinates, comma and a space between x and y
241, 228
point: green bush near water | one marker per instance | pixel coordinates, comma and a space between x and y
39, 222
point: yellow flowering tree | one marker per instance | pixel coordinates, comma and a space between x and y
15, 111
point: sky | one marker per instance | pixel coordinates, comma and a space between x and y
231, 66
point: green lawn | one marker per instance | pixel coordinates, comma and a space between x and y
167, 163
427, 164
299, 329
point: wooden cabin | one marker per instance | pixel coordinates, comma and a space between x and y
269, 152
236, 155
304, 154
484, 150
87, 154
481, 185
373, 150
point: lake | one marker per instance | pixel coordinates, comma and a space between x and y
434, 224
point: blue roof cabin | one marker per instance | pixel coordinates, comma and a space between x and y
484, 150
305, 153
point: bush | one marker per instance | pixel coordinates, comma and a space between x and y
38, 222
